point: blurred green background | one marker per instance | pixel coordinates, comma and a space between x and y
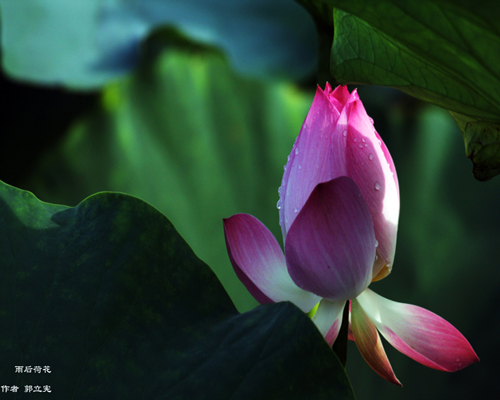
200, 139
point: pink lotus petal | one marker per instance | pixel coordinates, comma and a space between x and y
370, 165
330, 247
419, 333
338, 139
380, 268
369, 344
318, 154
328, 319
350, 336
259, 263
338, 97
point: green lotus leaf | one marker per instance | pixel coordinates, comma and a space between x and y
443, 52
110, 298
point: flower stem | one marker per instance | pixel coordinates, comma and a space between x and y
340, 345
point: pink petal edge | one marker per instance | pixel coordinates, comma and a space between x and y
419, 333
328, 319
369, 344
259, 263
371, 166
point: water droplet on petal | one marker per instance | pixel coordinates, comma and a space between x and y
376, 243
366, 144
284, 167
287, 158
376, 257
297, 151
344, 133
355, 140
279, 190
380, 142
363, 140
360, 145
278, 204
370, 157
295, 210
377, 186
371, 120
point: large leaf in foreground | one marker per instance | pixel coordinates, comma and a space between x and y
445, 53
112, 299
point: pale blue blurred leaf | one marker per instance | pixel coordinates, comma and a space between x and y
85, 43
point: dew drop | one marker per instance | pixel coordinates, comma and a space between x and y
380, 142
355, 140
370, 157
371, 120
376, 243
344, 133
366, 144
297, 151
376, 257
360, 145
288, 158
295, 210
279, 190
284, 167
278, 204
377, 186
363, 140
